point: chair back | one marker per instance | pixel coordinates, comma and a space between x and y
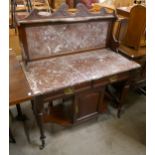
136, 27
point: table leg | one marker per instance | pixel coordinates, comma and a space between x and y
124, 92
32, 105
40, 124
51, 3
11, 138
20, 116
38, 109
28, 5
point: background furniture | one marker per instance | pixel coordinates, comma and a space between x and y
52, 3
19, 90
87, 3
133, 43
124, 11
136, 25
132, 40
17, 82
117, 3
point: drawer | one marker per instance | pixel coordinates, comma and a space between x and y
68, 91
110, 79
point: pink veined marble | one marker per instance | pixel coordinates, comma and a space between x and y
53, 74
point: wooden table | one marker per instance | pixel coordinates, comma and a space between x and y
19, 90
98, 6
124, 11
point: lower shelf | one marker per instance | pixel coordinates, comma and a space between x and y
58, 115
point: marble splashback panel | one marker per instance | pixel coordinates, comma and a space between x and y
55, 39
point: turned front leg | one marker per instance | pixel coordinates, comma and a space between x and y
38, 108
39, 118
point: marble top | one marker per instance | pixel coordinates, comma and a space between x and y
57, 73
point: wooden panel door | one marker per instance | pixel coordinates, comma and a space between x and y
88, 104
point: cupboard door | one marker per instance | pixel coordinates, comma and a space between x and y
88, 104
